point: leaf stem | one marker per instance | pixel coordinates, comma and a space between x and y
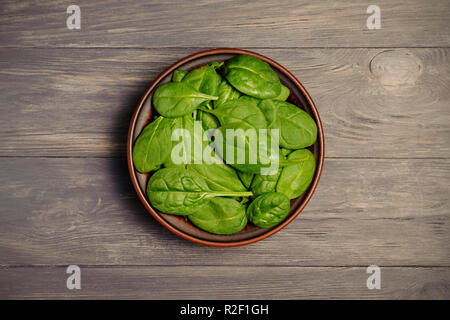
202, 108
207, 96
231, 193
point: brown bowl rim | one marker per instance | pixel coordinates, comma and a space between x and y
133, 125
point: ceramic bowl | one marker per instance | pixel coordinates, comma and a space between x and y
179, 225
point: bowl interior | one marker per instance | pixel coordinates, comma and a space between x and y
250, 231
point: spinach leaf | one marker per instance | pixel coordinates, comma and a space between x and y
248, 154
178, 75
268, 209
297, 129
249, 100
208, 120
215, 64
246, 178
252, 76
220, 216
150, 149
244, 144
181, 191
241, 113
241, 116
219, 176
285, 152
284, 94
184, 148
175, 99
186, 152
296, 178
204, 79
265, 183
226, 93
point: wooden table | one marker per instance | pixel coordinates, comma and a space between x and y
66, 198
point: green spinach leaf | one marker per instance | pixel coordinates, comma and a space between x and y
268, 210
176, 99
297, 129
285, 152
265, 183
219, 176
249, 100
208, 120
241, 116
226, 93
284, 94
150, 149
220, 216
252, 76
184, 148
181, 191
296, 178
178, 75
237, 112
248, 154
246, 178
204, 79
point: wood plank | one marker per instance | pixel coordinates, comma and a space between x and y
224, 282
84, 211
373, 102
231, 23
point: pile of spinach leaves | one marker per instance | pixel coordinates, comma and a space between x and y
242, 92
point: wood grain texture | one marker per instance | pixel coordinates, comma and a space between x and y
231, 23
78, 102
67, 97
222, 282
84, 211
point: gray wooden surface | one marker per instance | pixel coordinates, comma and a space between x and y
66, 197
